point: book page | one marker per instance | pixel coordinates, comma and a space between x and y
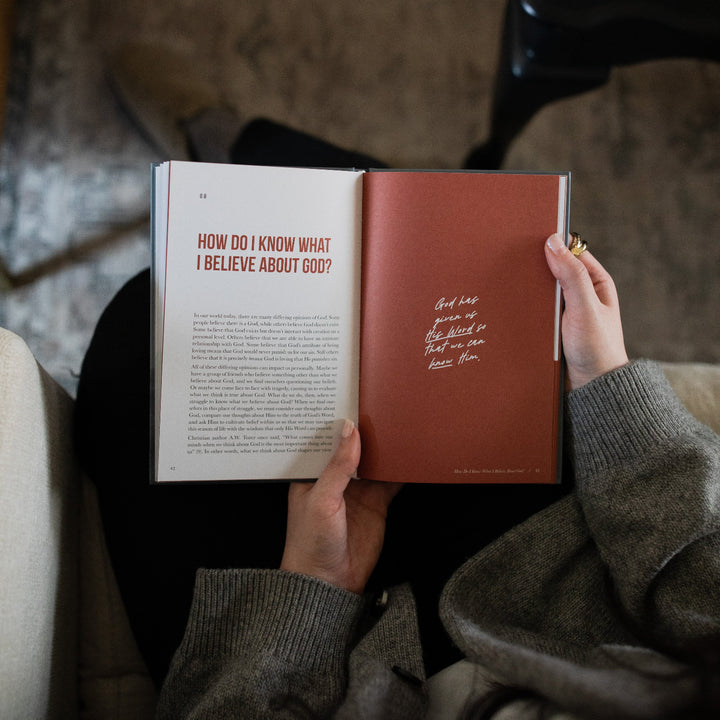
259, 314
460, 364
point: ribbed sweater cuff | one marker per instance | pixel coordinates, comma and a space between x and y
621, 415
304, 620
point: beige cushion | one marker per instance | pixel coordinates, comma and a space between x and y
38, 540
51, 546
698, 387
114, 681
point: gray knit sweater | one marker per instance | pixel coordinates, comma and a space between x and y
590, 603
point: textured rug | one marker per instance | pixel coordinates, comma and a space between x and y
407, 81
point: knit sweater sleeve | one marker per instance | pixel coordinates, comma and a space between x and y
648, 481
268, 643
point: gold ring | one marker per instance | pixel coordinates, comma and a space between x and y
577, 245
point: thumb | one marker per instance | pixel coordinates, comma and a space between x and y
342, 466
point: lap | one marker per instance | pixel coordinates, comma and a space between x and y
158, 536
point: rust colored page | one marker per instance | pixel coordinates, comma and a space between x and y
460, 364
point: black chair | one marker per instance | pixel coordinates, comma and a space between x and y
552, 49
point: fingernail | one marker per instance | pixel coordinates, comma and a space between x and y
348, 428
555, 243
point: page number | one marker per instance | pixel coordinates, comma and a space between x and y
203, 196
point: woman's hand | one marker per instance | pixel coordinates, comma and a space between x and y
336, 526
591, 328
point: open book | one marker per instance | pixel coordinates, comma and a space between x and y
417, 303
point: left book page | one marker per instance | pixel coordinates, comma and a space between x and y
256, 281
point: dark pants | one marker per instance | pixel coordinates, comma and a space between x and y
158, 536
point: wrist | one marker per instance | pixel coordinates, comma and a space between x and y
332, 575
579, 377
580, 374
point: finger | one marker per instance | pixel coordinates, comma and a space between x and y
378, 493
390, 490
572, 274
393, 489
342, 466
601, 279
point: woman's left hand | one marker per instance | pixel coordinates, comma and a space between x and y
336, 526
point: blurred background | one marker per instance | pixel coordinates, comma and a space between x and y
407, 81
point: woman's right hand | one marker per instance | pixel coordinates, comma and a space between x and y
591, 327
